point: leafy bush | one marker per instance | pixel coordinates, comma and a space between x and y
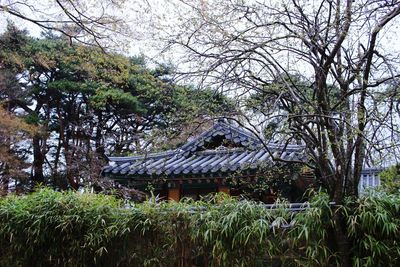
374, 226
310, 233
390, 179
49, 228
59, 228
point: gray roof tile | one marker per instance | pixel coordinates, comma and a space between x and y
192, 159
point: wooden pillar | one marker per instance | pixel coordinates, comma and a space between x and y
174, 194
223, 188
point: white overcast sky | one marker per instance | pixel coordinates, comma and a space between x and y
144, 19
140, 15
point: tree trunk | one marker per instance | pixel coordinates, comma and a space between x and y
342, 242
57, 158
4, 181
69, 168
38, 161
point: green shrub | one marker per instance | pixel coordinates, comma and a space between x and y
49, 228
390, 179
374, 226
310, 233
235, 233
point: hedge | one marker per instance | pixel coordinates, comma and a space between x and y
50, 228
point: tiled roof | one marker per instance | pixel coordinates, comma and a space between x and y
202, 162
190, 160
230, 132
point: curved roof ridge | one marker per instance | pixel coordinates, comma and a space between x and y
146, 156
222, 151
285, 146
236, 134
239, 129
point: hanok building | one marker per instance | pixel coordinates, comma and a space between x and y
204, 164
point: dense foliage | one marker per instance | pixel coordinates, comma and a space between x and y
281, 180
50, 228
390, 178
87, 104
12, 130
